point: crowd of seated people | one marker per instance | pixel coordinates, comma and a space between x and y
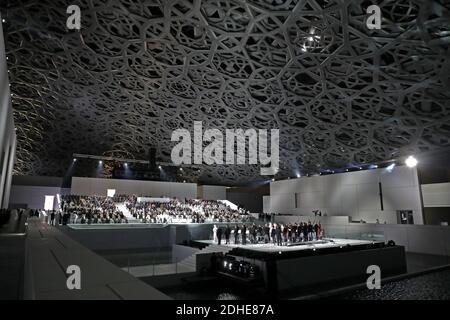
163, 212
91, 209
100, 209
187, 211
216, 211
266, 217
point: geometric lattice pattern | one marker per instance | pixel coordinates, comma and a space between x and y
340, 94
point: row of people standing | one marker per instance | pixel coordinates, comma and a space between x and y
275, 233
295, 232
237, 233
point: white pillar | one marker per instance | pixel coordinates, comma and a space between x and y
5, 96
418, 216
6, 123
3, 171
12, 160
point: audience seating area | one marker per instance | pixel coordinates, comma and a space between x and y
187, 211
123, 208
90, 209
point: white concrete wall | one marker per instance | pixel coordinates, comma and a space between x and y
436, 195
99, 186
33, 196
354, 194
213, 192
266, 204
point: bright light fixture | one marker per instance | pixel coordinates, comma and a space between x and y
411, 162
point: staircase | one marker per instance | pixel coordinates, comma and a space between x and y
123, 208
187, 265
191, 261
229, 204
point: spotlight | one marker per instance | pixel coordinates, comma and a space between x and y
298, 175
100, 162
184, 181
4, 20
360, 168
181, 169
411, 162
390, 167
273, 179
159, 167
125, 164
74, 159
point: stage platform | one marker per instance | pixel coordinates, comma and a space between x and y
307, 264
299, 246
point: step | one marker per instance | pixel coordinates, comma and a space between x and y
187, 265
217, 248
190, 262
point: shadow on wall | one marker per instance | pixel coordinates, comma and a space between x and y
251, 198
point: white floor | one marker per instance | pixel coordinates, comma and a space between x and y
270, 247
49, 253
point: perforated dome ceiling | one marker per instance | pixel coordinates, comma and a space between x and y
340, 94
